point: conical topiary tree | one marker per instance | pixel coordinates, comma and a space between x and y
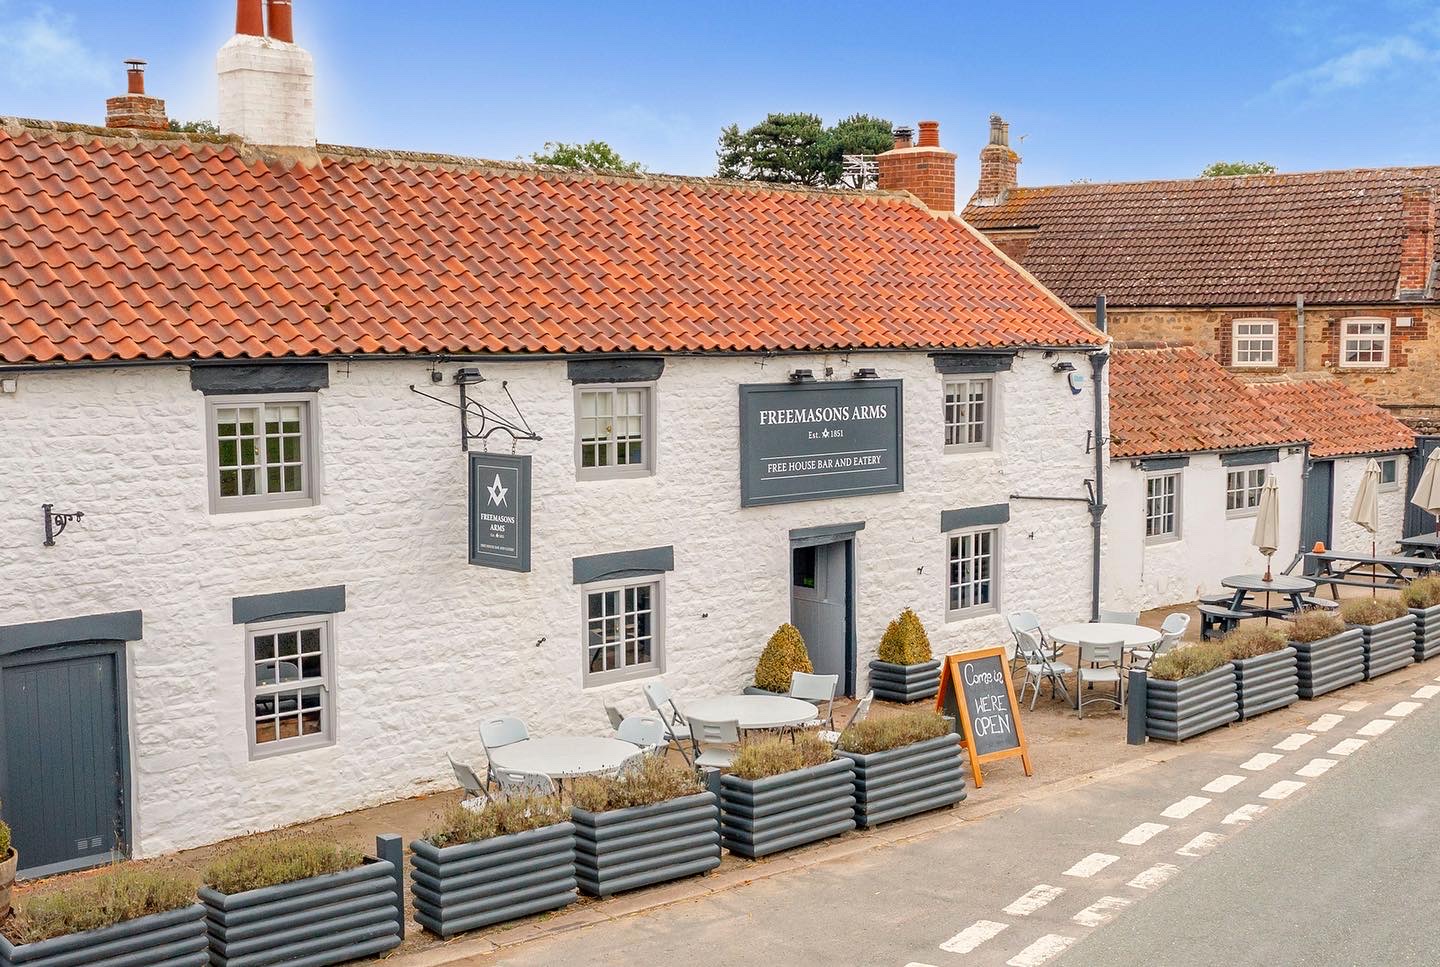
905, 641
783, 654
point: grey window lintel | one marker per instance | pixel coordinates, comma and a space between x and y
1150, 464
829, 534
221, 379
115, 626
958, 363
615, 369
623, 564
288, 604
990, 515
1250, 458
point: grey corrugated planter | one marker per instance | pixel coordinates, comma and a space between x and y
1179, 710
1388, 645
780, 812
313, 922
1266, 682
623, 849
172, 939
1427, 632
911, 779
1330, 663
905, 683
472, 885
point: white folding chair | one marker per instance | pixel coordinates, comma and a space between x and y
498, 733
862, 710
648, 733
632, 764
724, 734
469, 781
1119, 617
1172, 632
514, 783
1100, 661
1039, 667
818, 689
615, 715
659, 698
1029, 621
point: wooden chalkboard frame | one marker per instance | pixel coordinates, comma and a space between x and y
950, 679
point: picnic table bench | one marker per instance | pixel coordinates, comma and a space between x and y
1382, 570
1421, 545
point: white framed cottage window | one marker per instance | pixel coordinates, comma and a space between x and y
1254, 342
1242, 491
290, 685
1162, 507
1365, 343
614, 431
263, 451
624, 629
972, 572
969, 413
1389, 473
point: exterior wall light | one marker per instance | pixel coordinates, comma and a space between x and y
866, 373
802, 376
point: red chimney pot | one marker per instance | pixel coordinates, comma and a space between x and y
929, 134
282, 24
250, 18
136, 76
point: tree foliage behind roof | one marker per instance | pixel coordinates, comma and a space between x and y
194, 127
1221, 169
798, 149
590, 156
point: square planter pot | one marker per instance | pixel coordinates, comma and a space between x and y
1388, 645
905, 683
788, 810
172, 939
1330, 663
466, 887
1266, 682
317, 921
908, 780
623, 849
1427, 632
1179, 710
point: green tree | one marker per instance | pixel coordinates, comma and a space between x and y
1222, 168
194, 127
857, 134
784, 148
590, 156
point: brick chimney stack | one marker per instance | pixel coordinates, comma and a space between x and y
267, 83
999, 164
136, 109
1417, 250
924, 169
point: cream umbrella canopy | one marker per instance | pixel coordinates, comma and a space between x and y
1427, 491
1266, 536
1366, 509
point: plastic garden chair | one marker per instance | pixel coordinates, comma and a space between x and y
1100, 665
524, 783
1039, 667
498, 733
469, 781
615, 716
714, 733
817, 689
648, 733
862, 711
1172, 631
658, 697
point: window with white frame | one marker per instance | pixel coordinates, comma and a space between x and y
1242, 491
1389, 473
624, 630
972, 572
1365, 343
291, 668
1162, 507
614, 431
1253, 342
263, 452
969, 413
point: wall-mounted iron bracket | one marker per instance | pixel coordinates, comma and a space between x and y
490, 422
55, 523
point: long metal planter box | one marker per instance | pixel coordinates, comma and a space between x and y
314, 922
905, 683
1330, 663
1389, 645
1179, 710
624, 849
780, 812
173, 939
912, 779
1427, 632
1266, 682
466, 887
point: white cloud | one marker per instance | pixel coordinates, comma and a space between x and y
39, 46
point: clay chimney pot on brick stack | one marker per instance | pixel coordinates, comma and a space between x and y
926, 170
267, 83
999, 164
282, 24
250, 18
135, 109
1417, 250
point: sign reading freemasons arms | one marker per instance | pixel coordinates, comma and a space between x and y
500, 511
814, 441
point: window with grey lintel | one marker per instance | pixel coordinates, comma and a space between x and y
622, 614
973, 539
615, 415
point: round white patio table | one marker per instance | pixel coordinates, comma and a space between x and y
752, 711
563, 756
1130, 636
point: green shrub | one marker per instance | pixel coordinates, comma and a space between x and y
514, 814
4, 840
773, 757
1252, 642
1315, 625
783, 654
894, 732
1188, 661
1422, 593
114, 896
655, 782
905, 641
281, 859
1371, 611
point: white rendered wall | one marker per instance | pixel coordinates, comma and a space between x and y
267, 91
1349, 536
429, 645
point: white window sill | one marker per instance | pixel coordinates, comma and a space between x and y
595, 681
979, 612
1162, 540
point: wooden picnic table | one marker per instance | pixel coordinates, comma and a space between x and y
1421, 545
1382, 570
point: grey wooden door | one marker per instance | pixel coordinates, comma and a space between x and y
63, 773
821, 608
1317, 510
1418, 521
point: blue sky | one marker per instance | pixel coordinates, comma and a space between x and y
1097, 90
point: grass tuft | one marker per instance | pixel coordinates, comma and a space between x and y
1315, 625
1252, 642
1372, 611
894, 732
113, 896
277, 860
1422, 593
1188, 661
656, 781
777, 756
514, 814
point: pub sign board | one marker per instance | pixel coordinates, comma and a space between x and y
500, 511
815, 441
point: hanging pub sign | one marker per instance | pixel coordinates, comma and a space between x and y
814, 441
500, 511
976, 689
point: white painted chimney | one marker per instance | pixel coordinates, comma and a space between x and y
267, 83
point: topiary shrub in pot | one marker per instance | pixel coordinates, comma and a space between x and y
904, 764
1388, 630
1328, 654
783, 792
1422, 598
784, 654
905, 670
512, 858
125, 915
9, 861
1266, 675
1190, 690
303, 898
651, 825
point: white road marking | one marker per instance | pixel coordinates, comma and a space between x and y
1292, 742
1143, 833
1186, 806
1101, 910
1317, 768
1224, 784
1401, 709
1153, 877
1377, 727
1046, 948
1357, 706
1261, 760
1200, 845
1244, 814
1325, 723
1282, 789
1348, 746
972, 936
1038, 897
1426, 691
915, 964
1091, 865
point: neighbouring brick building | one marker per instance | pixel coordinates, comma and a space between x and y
1248, 268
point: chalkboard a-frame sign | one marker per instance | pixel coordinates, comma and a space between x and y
975, 687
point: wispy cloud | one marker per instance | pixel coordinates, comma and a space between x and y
39, 46
1362, 65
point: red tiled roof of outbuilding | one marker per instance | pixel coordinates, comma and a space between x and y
1337, 421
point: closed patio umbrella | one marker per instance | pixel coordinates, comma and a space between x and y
1427, 491
1267, 523
1366, 509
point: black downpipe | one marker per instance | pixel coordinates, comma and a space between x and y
1097, 506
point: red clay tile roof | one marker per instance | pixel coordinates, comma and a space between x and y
125, 249
1335, 420
1332, 236
1175, 399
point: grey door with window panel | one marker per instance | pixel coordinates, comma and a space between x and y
821, 608
1317, 509
63, 755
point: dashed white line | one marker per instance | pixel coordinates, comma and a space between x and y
1317, 768
1101, 911
1224, 783
1426, 691
1282, 789
1348, 746
1035, 899
1401, 709
915, 964
1143, 833
1186, 806
972, 936
1244, 814
1261, 760
1377, 727
1357, 706
1091, 865
1200, 845
1153, 877
1325, 723
1292, 742
1046, 948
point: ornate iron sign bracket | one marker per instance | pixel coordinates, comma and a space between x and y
487, 422
55, 523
